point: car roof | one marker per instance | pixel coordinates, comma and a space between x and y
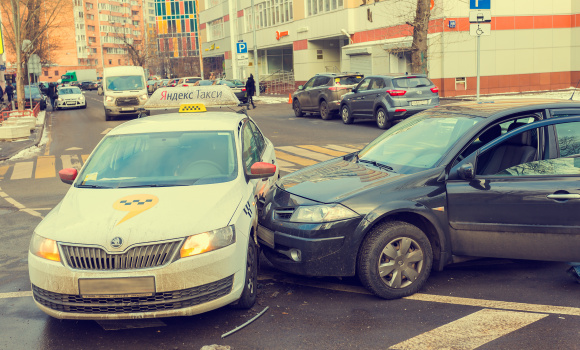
171, 122
339, 74
508, 106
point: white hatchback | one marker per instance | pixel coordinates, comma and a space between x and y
70, 97
160, 221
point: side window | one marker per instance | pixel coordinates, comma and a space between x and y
250, 152
321, 81
364, 85
377, 83
568, 139
260, 142
309, 84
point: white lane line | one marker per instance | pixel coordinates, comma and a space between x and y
106, 131
471, 331
22, 170
305, 153
19, 205
15, 294
341, 148
488, 304
284, 164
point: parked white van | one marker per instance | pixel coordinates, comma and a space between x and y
124, 91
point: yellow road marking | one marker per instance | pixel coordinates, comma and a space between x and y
294, 159
305, 153
471, 331
15, 294
3, 170
323, 150
22, 170
84, 157
45, 167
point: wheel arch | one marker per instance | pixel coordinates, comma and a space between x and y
380, 105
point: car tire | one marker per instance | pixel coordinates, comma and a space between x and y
84, 106
325, 113
382, 118
380, 251
346, 115
108, 117
297, 109
250, 292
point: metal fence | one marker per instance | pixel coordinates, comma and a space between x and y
280, 82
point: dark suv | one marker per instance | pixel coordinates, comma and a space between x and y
322, 93
389, 97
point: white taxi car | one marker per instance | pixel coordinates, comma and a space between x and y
70, 97
161, 219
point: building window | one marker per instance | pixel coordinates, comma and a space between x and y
91, 17
110, 61
89, 5
56, 73
135, 13
135, 23
270, 13
46, 73
320, 6
151, 12
216, 29
91, 28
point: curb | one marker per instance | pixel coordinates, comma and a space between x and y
35, 143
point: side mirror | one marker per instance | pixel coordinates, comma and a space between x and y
466, 171
68, 175
260, 170
354, 90
301, 87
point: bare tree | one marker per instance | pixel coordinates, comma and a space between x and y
29, 20
420, 30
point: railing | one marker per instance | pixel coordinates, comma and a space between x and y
279, 82
7, 113
332, 69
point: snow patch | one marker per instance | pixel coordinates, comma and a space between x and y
30, 152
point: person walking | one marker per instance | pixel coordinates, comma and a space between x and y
251, 89
1, 95
52, 94
10, 92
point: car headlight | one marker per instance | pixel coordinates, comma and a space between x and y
208, 241
59, 99
143, 97
81, 98
109, 100
322, 213
44, 248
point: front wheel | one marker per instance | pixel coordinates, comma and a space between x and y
383, 121
395, 260
346, 115
108, 117
84, 106
297, 109
250, 291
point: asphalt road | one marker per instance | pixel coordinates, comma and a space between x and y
485, 304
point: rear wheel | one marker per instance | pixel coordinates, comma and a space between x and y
383, 121
395, 260
324, 111
345, 114
297, 109
250, 292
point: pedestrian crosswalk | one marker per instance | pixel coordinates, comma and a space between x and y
290, 159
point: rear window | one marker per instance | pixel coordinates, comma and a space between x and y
350, 80
411, 82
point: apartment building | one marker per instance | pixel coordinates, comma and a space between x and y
177, 28
533, 45
96, 36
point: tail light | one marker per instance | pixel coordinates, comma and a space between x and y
396, 92
243, 89
184, 85
435, 89
336, 88
400, 110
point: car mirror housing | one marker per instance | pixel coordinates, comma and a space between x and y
68, 175
260, 170
466, 171
300, 87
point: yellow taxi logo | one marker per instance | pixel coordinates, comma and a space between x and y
135, 205
192, 108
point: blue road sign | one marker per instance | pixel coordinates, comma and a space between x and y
242, 47
2, 67
480, 4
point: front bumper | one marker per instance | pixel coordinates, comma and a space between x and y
115, 110
184, 287
70, 103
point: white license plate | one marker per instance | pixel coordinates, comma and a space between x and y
266, 235
116, 287
418, 103
128, 109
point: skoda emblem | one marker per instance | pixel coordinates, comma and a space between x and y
419, 92
116, 242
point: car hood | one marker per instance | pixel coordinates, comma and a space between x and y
335, 181
96, 216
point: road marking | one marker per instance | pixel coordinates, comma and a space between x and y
44, 167
305, 153
342, 148
3, 170
22, 170
19, 205
84, 157
471, 331
73, 149
294, 159
16, 294
106, 131
70, 161
323, 150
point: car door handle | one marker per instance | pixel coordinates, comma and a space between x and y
564, 196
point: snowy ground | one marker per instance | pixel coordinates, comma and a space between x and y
265, 99
560, 94
34, 150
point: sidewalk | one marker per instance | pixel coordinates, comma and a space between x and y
9, 148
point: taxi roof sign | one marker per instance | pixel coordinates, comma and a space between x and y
192, 108
208, 96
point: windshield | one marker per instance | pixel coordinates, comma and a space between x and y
227, 83
419, 142
161, 159
124, 83
69, 91
67, 77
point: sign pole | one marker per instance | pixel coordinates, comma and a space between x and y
256, 68
478, 62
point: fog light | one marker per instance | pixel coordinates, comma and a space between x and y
296, 255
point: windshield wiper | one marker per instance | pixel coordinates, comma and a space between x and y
377, 164
155, 185
92, 186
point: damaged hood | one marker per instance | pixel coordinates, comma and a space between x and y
335, 181
138, 215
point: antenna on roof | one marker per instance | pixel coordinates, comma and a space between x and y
573, 92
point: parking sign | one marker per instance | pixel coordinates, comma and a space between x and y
242, 47
480, 4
